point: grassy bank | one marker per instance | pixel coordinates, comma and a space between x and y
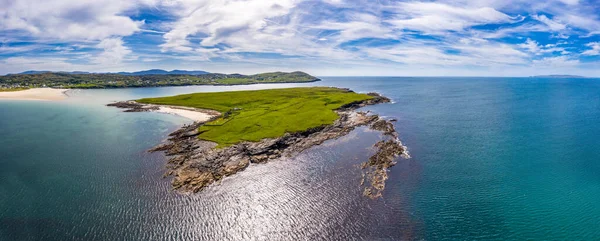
12, 89
258, 114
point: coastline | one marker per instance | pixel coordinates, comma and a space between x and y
208, 84
185, 85
196, 164
54, 94
39, 94
197, 115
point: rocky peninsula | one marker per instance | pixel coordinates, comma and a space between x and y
196, 163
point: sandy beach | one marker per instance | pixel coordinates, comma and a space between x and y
197, 115
47, 94
191, 114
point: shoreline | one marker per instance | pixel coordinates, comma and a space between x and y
197, 115
196, 164
212, 84
48, 94
38, 94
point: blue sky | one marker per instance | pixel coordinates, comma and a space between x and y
329, 37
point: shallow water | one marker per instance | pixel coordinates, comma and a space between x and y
492, 158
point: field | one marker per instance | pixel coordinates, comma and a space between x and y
12, 89
254, 115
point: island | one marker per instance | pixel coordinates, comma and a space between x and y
559, 76
150, 78
258, 126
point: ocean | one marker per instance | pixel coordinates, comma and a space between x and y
492, 159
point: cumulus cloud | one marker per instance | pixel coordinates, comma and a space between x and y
531, 46
221, 21
69, 20
534, 48
595, 49
113, 52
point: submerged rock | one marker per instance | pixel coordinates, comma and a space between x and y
132, 106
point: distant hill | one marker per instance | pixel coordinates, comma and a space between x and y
138, 73
147, 78
164, 72
46, 71
35, 72
559, 76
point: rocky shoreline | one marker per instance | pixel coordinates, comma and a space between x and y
196, 163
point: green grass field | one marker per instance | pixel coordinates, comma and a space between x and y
12, 89
254, 115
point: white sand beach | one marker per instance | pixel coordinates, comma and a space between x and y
190, 113
47, 94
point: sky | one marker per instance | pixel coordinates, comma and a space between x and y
323, 38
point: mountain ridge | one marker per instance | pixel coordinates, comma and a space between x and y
135, 73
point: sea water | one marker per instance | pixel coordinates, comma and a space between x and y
492, 159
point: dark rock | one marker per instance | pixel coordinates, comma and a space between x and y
384, 126
132, 106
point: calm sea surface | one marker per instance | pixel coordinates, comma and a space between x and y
492, 159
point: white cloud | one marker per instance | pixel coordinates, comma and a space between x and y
291, 31
580, 20
7, 49
595, 49
220, 20
554, 25
151, 59
114, 52
560, 36
484, 52
334, 2
432, 17
360, 26
534, 48
20, 64
556, 62
509, 31
254, 34
423, 55
69, 20
531, 46
570, 2
464, 52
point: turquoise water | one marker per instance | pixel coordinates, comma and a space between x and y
492, 159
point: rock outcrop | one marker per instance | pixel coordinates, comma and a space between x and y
132, 106
196, 163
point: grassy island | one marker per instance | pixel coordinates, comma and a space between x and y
258, 114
